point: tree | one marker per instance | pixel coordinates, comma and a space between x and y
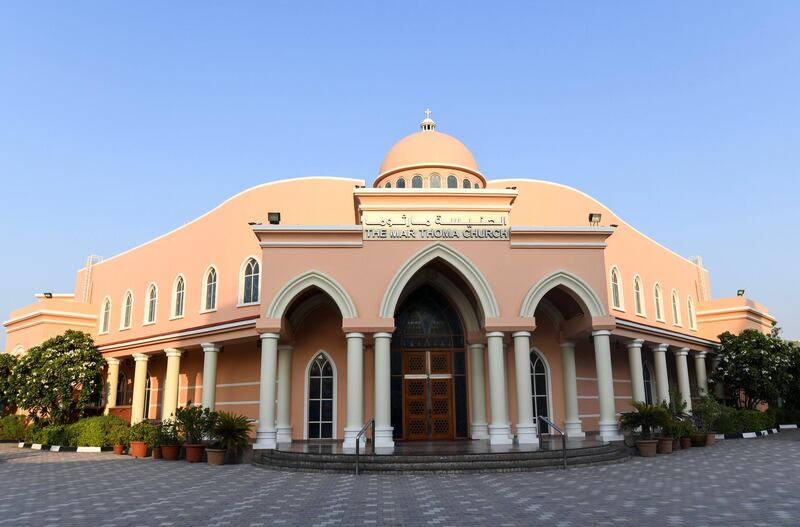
754, 366
7, 388
791, 395
58, 379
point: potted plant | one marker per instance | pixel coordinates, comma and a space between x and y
704, 413
645, 418
666, 441
157, 440
142, 436
119, 436
169, 440
676, 409
193, 424
685, 432
230, 434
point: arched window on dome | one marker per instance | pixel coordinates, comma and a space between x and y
416, 181
401, 183
638, 295
105, 316
616, 290
690, 313
476, 185
676, 309
452, 182
435, 181
388, 184
466, 183
659, 302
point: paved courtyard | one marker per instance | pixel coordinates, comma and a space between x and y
741, 482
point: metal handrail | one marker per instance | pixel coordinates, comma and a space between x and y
551, 424
363, 432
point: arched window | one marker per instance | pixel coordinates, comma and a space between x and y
122, 390
676, 309
466, 183
148, 386
416, 181
616, 290
388, 184
476, 185
105, 316
690, 313
649, 384
127, 311
436, 181
452, 182
401, 183
178, 297
658, 299
539, 385
210, 290
638, 295
251, 278
152, 304
321, 398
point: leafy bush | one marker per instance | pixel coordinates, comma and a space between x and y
194, 423
645, 416
231, 431
787, 416
734, 421
704, 413
144, 431
50, 435
119, 435
166, 433
12, 427
93, 431
7, 383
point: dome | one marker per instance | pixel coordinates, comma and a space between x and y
428, 149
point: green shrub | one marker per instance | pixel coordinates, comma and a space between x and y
12, 427
93, 431
787, 416
119, 434
51, 435
144, 431
733, 421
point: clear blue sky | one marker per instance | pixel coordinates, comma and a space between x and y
120, 121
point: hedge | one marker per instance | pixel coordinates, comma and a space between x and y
92, 431
733, 421
12, 427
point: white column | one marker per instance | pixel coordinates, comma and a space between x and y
284, 428
572, 420
637, 376
682, 369
499, 430
169, 402
700, 370
355, 389
139, 387
266, 435
526, 426
112, 381
609, 429
662, 380
478, 427
383, 390
210, 358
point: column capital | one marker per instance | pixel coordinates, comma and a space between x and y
567, 344
141, 357
635, 343
285, 347
477, 345
382, 335
521, 334
269, 336
700, 354
211, 347
601, 333
661, 348
173, 352
494, 334
682, 352
113, 361
354, 335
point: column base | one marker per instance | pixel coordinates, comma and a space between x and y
500, 435
350, 434
384, 437
284, 434
610, 432
526, 435
479, 431
574, 429
265, 439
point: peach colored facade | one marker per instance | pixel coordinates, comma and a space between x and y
242, 315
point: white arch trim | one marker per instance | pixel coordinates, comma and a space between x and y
456, 296
335, 392
461, 263
568, 280
312, 278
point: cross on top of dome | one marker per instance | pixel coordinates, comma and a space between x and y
428, 124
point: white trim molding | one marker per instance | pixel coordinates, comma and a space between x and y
586, 296
312, 278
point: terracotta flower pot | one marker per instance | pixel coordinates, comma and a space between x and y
665, 445
215, 456
194, 453
647, 447
699, 439
170, 452
138, 449
118, 449
686, 442
711, 438
156, 452
676, 444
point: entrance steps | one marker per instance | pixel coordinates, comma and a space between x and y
431, 462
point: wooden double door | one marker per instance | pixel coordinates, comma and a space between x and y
428, 395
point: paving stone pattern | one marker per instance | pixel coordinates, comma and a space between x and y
736, 482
